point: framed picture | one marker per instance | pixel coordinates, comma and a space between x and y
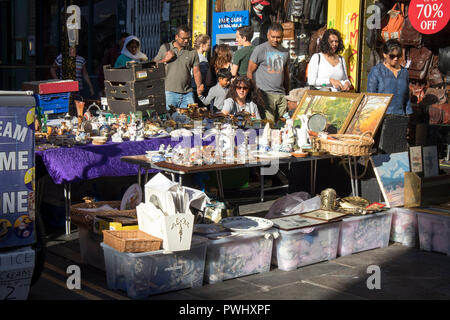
430, 161
390, 172
336, 106
369, 114
415, 159
324, 215
293, 222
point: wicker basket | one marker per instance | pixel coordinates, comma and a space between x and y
131, 240
85, 219
348, 144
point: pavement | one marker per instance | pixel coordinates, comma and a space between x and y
404, 273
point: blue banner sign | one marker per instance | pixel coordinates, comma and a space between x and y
228, 22
17, 168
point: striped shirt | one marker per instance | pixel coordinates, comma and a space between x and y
79, 72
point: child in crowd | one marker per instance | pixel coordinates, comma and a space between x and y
217, 94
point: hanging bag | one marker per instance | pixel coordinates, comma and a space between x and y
420, 63
410, 36
394, 26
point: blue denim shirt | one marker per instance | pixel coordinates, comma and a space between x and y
382, 80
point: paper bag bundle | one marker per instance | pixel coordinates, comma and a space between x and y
166, 212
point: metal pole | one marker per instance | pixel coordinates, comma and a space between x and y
351, 176
67, 203
356, 176
261, 178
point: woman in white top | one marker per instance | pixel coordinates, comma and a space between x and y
243, 96
328, 67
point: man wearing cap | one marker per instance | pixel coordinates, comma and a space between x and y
269, 67
293, 99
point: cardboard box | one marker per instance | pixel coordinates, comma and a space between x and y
175, 230
102, 224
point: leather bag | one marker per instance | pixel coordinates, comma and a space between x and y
439, 114
444, 60
288, 31
410, 36
435, 96
420, 63
315, 38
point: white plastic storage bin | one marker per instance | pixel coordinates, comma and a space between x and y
16, 271
405, 228
141, 275
365, 233
434, 232
305, 246
90, 249
240, 255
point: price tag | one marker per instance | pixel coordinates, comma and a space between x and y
141, 74
143, 102
429, 16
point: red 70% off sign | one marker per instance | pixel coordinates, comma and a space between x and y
429, 16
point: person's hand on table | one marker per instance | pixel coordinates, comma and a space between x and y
336, 84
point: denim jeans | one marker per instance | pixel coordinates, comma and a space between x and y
179, 100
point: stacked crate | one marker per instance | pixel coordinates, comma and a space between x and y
138, 87
52, 96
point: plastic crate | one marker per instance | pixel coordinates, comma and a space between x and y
404, 227
141, 275
90, 249
434, 232
365, 233
238, 255
301, 247
53, 103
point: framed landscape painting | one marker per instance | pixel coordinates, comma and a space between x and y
336, 106
369, 114
390, 172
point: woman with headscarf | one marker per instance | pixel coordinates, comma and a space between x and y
131, 51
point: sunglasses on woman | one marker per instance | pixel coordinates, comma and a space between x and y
242, 88
393, 56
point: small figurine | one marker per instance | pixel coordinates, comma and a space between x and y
132, 129
140, 131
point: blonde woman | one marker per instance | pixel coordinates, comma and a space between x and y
202, 44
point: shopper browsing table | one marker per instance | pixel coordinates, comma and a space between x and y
242, 96
391, 78
327, 68
131, 51
180, 60
269, 66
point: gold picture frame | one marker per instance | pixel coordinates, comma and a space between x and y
338, 107
369, 114
325, 215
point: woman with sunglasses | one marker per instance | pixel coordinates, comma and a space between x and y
243, 96
391, 78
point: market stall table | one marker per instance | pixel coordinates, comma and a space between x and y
144, 163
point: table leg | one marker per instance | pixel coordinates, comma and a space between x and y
67, 203
314, 180
139, 176
146, 176
355, 176
351, 176
220, 184
261, 177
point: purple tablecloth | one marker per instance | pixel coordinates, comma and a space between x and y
68, 165
78, 163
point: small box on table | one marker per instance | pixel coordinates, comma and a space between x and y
363, 233
235, 256
141, 275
